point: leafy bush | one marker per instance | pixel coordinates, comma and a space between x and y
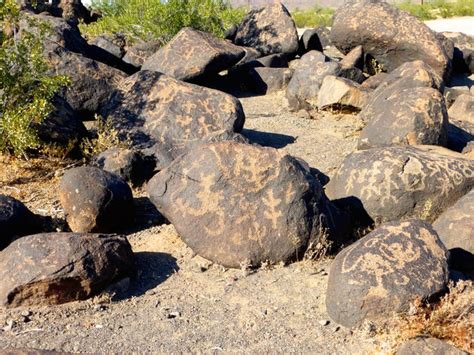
439, 9
155, 19
26, 89
316, 17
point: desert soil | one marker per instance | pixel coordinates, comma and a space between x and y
180, 302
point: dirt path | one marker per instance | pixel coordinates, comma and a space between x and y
182, 303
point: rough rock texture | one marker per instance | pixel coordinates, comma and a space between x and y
409, 117
266, 80
240, 204
129, 164
16, 220
456, 230
62, 126
139, 53
46, 269
115, 44
428, 346
95, 200
341, 93
389, 35
303, 88
193, 54
384, 271
355, 58
400, 182
463, 51
91, 84
375, 81
269, 29
463, 109
309, 41
169, 116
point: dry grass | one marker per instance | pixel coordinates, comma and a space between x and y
451, 319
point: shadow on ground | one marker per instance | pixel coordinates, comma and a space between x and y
275, 140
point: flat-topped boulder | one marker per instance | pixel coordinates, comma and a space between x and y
193, 54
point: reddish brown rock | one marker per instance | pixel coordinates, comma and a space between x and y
46, 269
389, 35
385, 271
269, 29
193, 54
237, 204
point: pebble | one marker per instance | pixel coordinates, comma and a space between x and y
324, 322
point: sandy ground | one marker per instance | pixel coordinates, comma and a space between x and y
180, 302
455, 24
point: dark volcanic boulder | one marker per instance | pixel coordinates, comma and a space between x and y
341, 93
114, 44
169, 116
71, 10
456, 229
91, 82
309, 41
375, 81
193, 54
409, 117
129, 164
428, 346
266, 80
355, 58
463, 51
463, 109
16, 220
303, 88
400, 182
269, 29
95, 200
46, 269
62, 126
385, 271
137, 54
236, 203
389, 35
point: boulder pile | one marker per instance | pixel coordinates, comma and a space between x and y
179, 123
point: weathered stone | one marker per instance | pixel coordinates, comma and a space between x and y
231, 32
385, 271
375, 81
269, 29
62, 126
91, 84
169, 116
139, 53
355, 58
463, 109
456, 230
463, 51
266, 80
399, 182
16, 220
95, 200
324, 34
129, 164
409, 117
341, 93
309, 41
71, 11
389, 35
303, 88
115, 45
451, 94
193, 54
428, 346
46, 269
273, 61
239, 204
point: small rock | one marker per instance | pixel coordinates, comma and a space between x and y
324, 322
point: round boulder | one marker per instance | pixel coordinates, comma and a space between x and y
385, 271
235, 203
95, 200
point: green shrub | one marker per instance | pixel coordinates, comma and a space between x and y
26, 89
316, 17
431, 10
155, 19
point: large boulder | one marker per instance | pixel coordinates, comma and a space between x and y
169, 116
385, 271
389, 35
304, 86
139, 53
309, 41
399, 182
266, 80
91, 82
72, 11
193, 54
46, 269
269, 29
463, 109
463, 51
16, 220
456, 229
238, 204
428, 346
414, 116
95, 200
